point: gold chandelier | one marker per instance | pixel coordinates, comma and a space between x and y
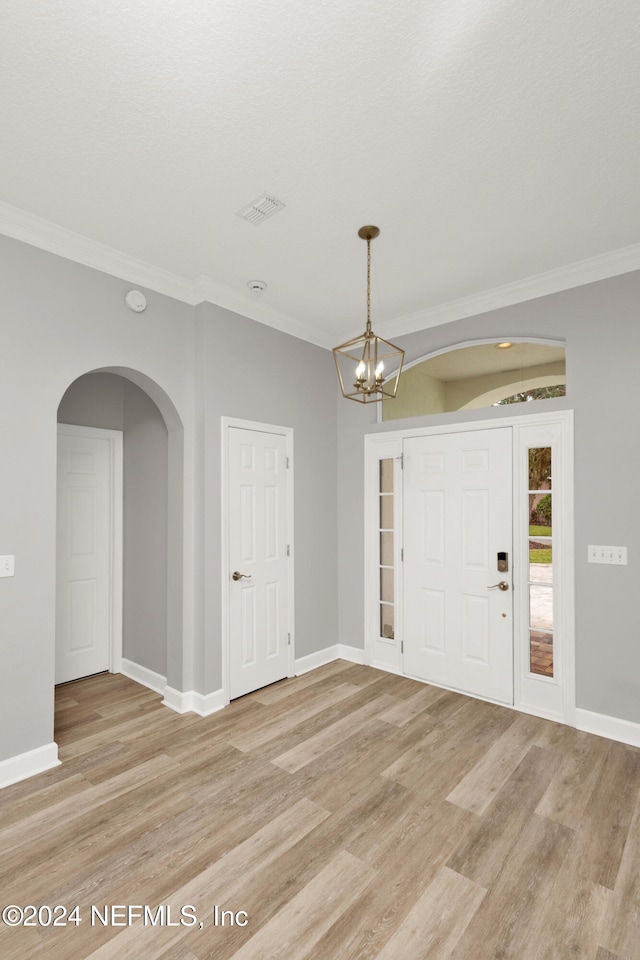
361, 363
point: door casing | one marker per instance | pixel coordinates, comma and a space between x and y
228, 423
553, 699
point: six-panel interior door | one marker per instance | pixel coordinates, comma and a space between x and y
259, 601
458, 624
83, 579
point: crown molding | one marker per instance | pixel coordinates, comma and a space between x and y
55, 239
601, 267
207, 290
58, 240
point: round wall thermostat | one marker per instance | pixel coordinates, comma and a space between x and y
136, 301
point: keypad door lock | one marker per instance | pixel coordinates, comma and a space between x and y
503, 561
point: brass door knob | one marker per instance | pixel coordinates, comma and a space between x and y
503, 585
241, 576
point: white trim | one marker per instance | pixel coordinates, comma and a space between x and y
614, 728
463, 345
601, 267
227, 424
49, 236
204, 704
28, 764
115, 439
382, 652
528, 698
176, 700
339, 651
208, 290
318, 659
352, 654
480, 342
148, 678
546, 696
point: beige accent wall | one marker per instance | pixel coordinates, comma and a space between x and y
465, 393
419, 393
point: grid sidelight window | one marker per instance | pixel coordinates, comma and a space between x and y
386, 533
541, 587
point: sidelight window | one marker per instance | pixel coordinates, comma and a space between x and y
541, 581
386, 566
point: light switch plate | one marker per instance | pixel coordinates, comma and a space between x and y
599, 554
7, 566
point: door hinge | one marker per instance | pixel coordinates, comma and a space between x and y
402, 646
288, 550
401, 554
289, 639
287, 463
401, 459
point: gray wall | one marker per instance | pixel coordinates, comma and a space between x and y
110, 401
600, 325
296, 389
60, 320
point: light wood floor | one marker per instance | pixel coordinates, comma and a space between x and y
352, 814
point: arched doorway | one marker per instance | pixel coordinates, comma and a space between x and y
121, 399
476, 374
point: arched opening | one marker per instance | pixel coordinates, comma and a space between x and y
124, 400
470, 376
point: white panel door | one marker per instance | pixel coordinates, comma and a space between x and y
83, 586
259, 598
458, 626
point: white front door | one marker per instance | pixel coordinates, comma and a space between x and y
458, 624
259, 580
84, 553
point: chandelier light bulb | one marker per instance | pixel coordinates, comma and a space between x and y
379, 370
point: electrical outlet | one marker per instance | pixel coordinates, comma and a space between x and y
7, 566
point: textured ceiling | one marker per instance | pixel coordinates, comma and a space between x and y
490, 140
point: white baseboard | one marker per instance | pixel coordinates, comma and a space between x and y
625, 731
28, 764
148, 678
315, 660
339, 651
352, 654
204, 704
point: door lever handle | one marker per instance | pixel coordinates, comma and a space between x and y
503, 585
241, 576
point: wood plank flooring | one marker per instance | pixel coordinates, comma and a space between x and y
344, 815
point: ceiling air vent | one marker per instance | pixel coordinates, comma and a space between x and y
260, 208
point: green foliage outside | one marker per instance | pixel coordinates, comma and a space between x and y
536, 393
540, 556
543, 509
